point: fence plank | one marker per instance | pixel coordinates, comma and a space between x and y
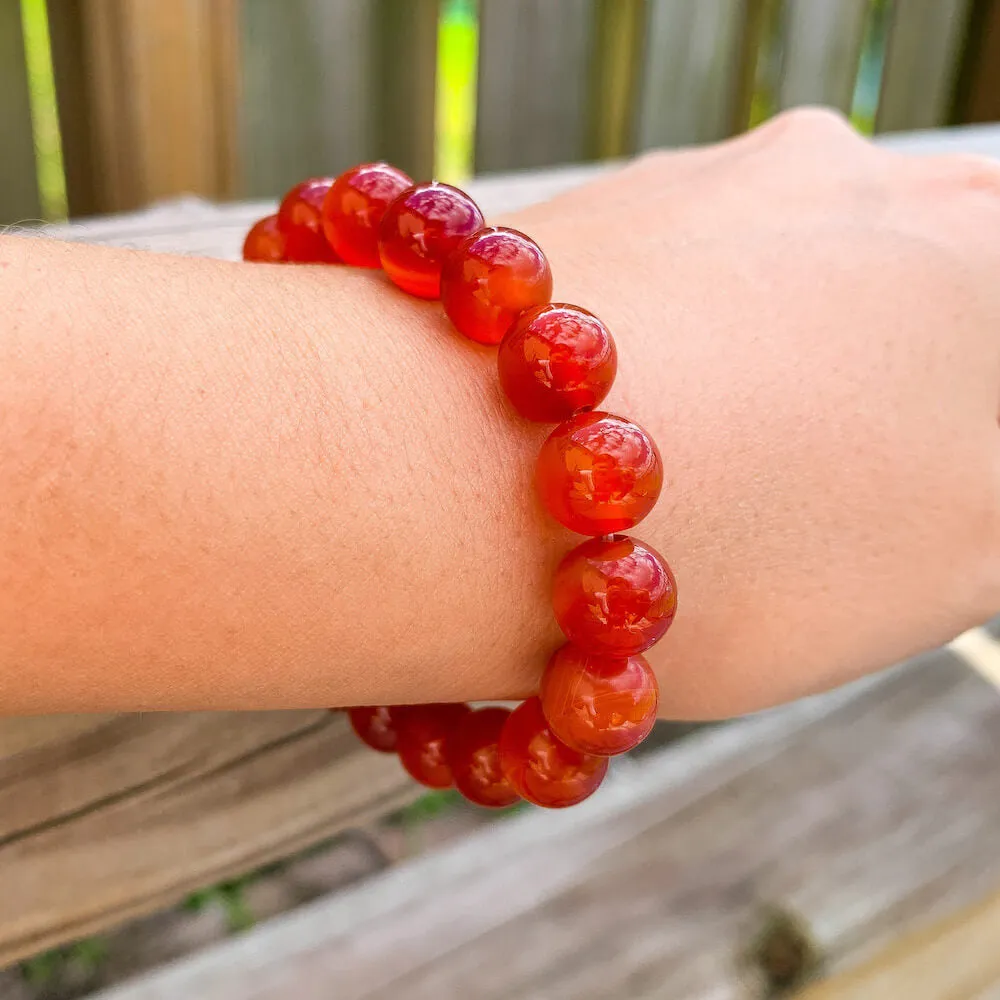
147, 95
921, 66
822, 51
979, 86
18, 180
331, 83
692, 68
534, 82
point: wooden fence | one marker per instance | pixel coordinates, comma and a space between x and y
238, 98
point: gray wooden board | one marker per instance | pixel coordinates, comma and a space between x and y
862, 812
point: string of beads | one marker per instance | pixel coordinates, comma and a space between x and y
597, 474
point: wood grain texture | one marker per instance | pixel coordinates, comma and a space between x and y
691, 73
18, 182
150, 92
921, 63
822, 51
956, 959
861, 814
535, 59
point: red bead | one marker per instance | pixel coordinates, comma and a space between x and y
614, 595
541, 768
265, 242
475, 759
419, 230
423, 732
555, 361
373, 724
598, 473
599, 704
492, 277
300, 219
354, 207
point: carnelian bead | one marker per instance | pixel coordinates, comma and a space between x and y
541, 768
614, 595
373, 724
353, 210
555, 361
422, 734
300, 219
475, 759
419, 230
599, 704
490, 278
265, 242
598, 473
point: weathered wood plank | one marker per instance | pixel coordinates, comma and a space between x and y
822, 50
18, 181
957, 958
691, 75
921, 64
535, 58
156, 86
862, 814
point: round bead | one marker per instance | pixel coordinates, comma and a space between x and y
598, 473
599, 704
373, 724
614, 595
541, 768
300, 219
423, 732
353, 209
419, 230
475, 759
265, 242
555, 361
490, 278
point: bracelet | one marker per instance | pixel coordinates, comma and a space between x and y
597, 474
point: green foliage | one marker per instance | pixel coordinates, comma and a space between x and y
82, 958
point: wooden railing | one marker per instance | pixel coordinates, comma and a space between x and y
238, 98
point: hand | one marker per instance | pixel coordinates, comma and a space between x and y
810, 327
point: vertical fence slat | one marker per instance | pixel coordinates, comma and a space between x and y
979, 86
616, 76
534, 82
692, 67
822, 50
921, 65
18, 180
147, 96
330, 83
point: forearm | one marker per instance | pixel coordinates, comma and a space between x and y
256, 487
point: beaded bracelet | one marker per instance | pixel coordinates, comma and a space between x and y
597, 474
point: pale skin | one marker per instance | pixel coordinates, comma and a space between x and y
246, 486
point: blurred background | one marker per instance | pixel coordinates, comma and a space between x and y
108, 105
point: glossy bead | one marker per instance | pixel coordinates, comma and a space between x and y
598, 473
555, 361
599, 704
300, 219
475, 759
423, 732
541, 768
265, 242
490, 278
374, 726
419, 230
614, 595
353, 209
